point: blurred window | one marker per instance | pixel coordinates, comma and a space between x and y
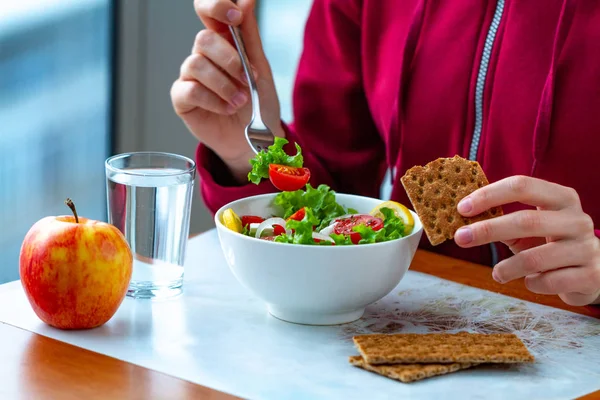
55, 110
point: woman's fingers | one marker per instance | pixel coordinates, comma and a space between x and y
523, 224
519, 245
222, 54
522, 189
215, 44
580, 299
188, 95
200, 68
543, 258
217, 14
581, 280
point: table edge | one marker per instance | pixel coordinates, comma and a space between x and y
213, 392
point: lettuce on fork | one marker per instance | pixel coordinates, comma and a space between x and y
274, 155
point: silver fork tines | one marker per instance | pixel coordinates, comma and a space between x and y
258, 134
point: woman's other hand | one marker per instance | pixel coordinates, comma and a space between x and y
555, 248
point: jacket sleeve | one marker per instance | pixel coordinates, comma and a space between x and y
333, 125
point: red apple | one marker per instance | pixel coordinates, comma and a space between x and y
75, 271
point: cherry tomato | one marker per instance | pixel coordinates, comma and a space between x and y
344, 226
278, 230
288, 179
251, 219
298, 215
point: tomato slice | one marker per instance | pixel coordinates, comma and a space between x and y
251, 219
278, 230
344, 226
268, 238
298, 215
288, 179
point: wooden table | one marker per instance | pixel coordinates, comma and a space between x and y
37, 367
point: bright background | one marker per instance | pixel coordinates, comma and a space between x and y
81, 80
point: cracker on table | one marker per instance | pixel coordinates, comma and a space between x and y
435, 189
409, 372
463, 347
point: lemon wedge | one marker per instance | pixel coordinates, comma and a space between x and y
399, 210
232, 221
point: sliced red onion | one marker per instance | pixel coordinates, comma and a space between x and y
317, 235
328, 230
268, 224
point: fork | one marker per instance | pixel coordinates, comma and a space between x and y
258, 134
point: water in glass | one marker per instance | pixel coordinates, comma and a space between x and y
151, 206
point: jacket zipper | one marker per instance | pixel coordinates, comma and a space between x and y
481, 77
479, 88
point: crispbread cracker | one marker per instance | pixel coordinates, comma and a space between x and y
463, 347
408, 372
435, 189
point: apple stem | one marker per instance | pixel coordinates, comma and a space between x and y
71, 205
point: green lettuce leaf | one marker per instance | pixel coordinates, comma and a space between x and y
245, 230
273, 155
341, 240
368, 235
393, 228
303, 230
284, 238
320, 200
392, 225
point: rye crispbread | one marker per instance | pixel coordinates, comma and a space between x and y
463, 347
409, 372
435, 189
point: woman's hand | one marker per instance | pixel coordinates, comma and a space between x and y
211, 94
555, 248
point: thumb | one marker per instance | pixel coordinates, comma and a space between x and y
251, 36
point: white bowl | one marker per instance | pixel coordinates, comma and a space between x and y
315, 285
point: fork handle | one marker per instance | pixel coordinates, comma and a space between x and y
241, 48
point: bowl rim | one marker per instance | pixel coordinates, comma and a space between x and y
417, 229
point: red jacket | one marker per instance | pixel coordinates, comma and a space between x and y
389, 83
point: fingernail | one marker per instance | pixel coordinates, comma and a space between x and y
230, 109
465, 205
464, 235
233, 15
239, 99
244, 78
495, 276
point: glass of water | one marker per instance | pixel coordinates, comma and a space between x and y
149, 200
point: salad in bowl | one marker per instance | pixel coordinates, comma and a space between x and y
312, 255
313, 216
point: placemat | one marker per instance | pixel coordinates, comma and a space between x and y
219, 335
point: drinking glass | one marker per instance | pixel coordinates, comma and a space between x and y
149, 200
